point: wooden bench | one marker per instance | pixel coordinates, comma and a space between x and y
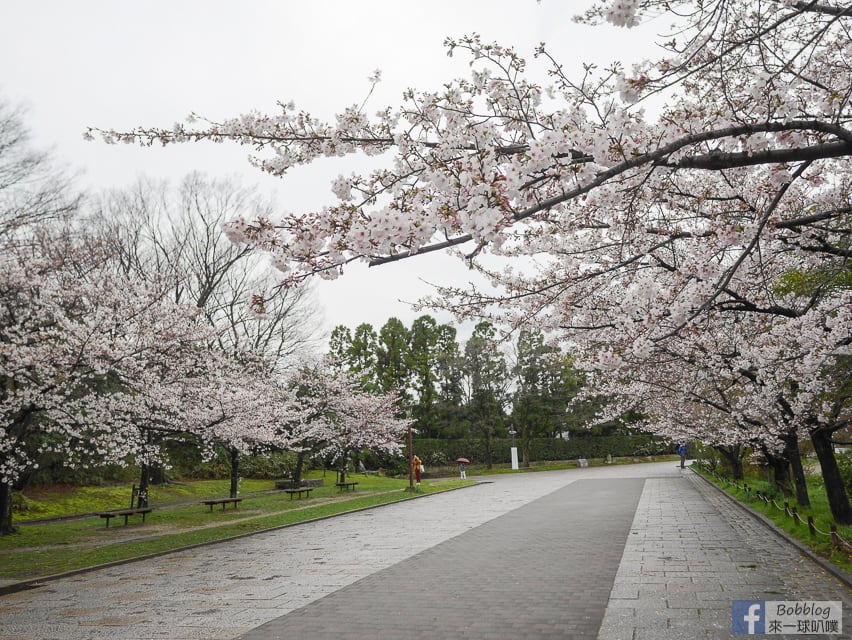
126, 513
222, 501
349, 486
299, 491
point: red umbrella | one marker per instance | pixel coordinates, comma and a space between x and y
462, 460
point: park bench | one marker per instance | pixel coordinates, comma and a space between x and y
299, 491
349, 486
222, 501
126, 513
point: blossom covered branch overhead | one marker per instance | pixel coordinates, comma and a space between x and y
657, 203
761, 88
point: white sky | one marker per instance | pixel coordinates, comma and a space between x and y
115, 64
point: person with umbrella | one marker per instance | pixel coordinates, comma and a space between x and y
462, 472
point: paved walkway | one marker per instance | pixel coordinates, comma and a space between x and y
644, 551
690, 553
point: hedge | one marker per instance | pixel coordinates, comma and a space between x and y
440, 452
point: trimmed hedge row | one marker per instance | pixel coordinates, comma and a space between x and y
441, 452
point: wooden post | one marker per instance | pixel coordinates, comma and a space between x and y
811, 526
410, 460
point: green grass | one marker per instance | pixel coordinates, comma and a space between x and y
42, 549
59, 501
819, 510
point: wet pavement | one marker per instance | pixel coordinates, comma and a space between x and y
620, 552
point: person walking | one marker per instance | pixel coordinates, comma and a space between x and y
462, 472
681, 451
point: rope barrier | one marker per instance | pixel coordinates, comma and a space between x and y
836, 540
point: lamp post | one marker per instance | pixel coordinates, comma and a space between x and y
512, 433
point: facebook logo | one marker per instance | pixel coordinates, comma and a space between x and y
748, 617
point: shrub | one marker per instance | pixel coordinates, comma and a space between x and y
269, 466
20, 504
844, 462
391, 464
440, 452
53, 470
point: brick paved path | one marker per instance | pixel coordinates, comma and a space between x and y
551, 543
542, 571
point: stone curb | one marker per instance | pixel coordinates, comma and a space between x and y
805, 550
35, 583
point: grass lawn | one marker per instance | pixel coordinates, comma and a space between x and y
59, 501
819, 510
44, 548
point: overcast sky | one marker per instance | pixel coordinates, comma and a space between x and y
114, 64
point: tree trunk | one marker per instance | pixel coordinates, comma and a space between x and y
6, 526
737, 468
142, 496
732, 455
297, 472
489, 459
343, 462
781, 474
838, 500
791, 451
235, 472
145, 472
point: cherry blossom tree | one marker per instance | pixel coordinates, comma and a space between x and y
101, 357
337, 417
623, 209
81, 360
100, 370
239, 403
745, 380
